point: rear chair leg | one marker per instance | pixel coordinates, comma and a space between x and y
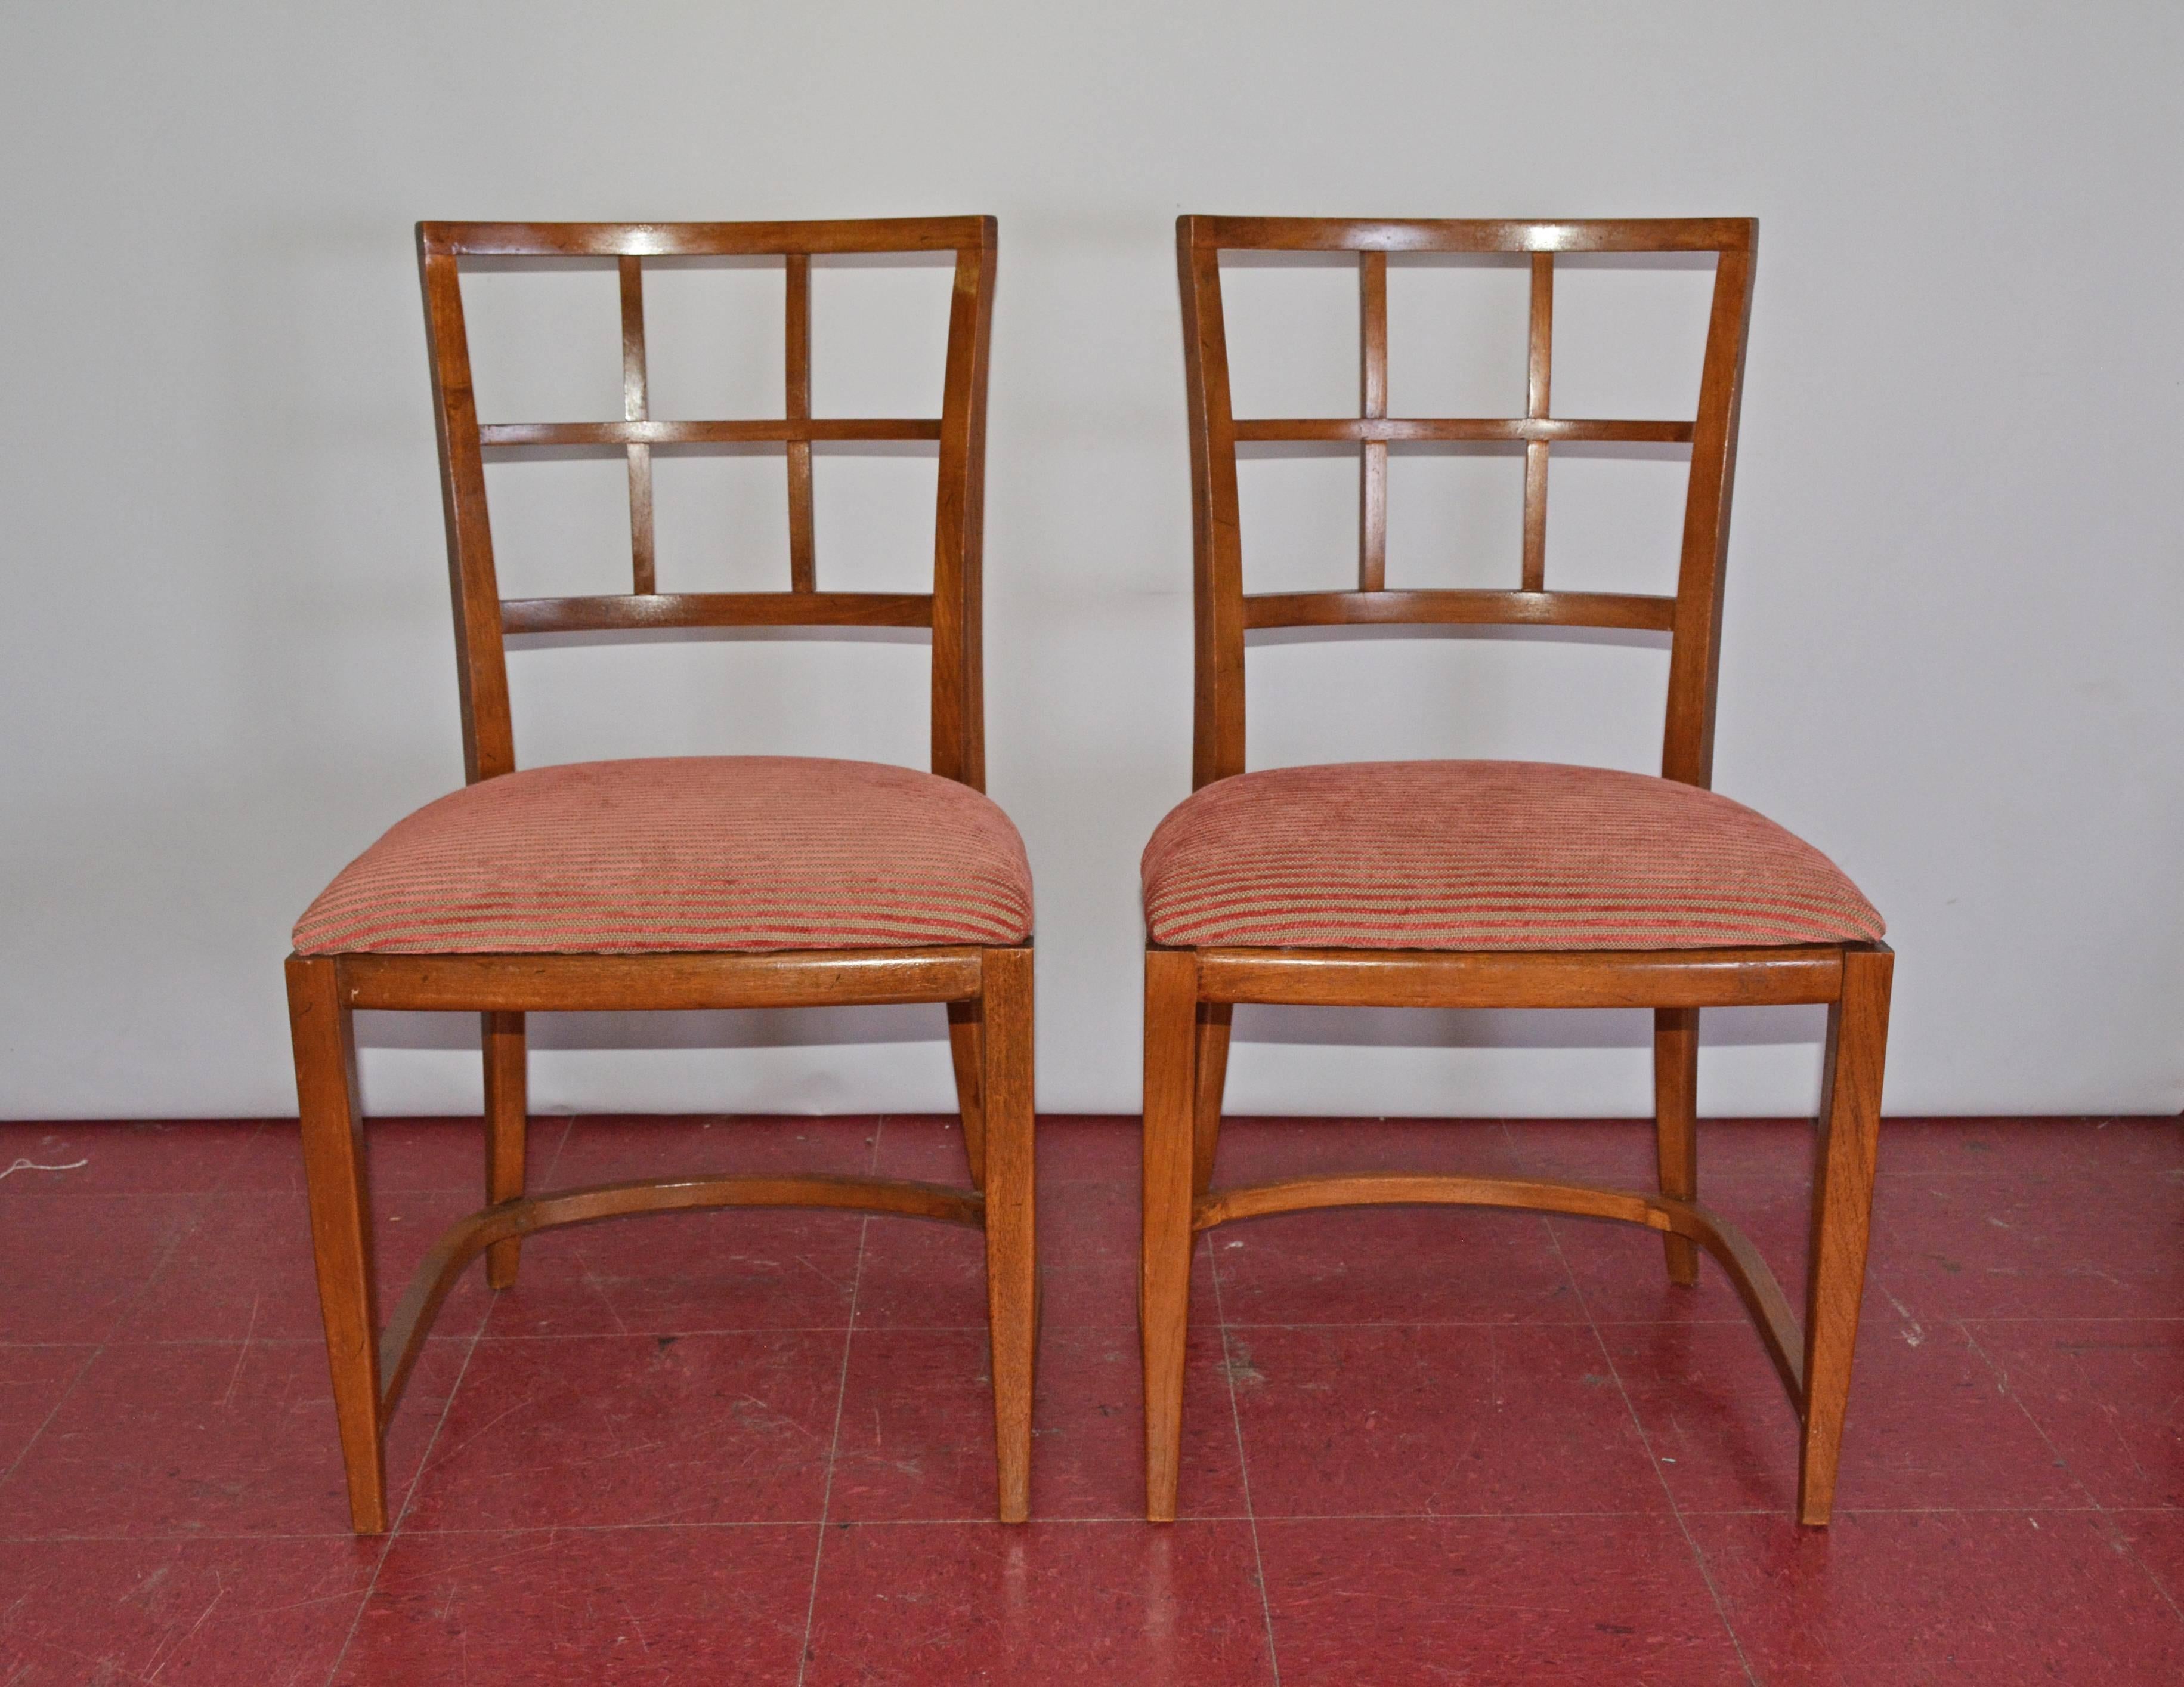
1011, 1250
506, 1127
340, 1195
1842, 1214
1213, 1022
1676, 1124
966, 1045
1171, 1117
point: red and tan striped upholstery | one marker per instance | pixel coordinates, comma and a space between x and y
1486, 855
699, 854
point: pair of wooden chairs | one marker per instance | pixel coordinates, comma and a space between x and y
750, 881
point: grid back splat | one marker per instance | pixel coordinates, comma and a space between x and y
950, 610
1225, 612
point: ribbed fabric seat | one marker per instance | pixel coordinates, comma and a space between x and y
1486, 855
691, 853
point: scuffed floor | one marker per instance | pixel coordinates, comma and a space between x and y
1423, 1446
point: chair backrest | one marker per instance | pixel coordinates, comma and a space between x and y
1225, 611
951, 609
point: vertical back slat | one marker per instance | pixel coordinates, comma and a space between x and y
1218, 742
635, 408
1539, 365
481, 664
803, 563
959, 746
1373, 499
1695, 656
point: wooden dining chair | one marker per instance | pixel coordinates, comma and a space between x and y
1481, 883
707, 882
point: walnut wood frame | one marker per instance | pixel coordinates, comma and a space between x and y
1190, 994
986, 992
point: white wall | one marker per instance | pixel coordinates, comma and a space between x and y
1956, 604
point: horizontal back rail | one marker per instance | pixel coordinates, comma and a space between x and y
640, 612
759, 431
1430, 234
703, 239
1458, 608
1225, 611
1577, 430
950, 611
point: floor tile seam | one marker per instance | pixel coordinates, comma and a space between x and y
1512, 1514
1842, 1512
868, 1327
2121, 1544
2139, 1177
2001, 1375
1506, 1324
1969, 1319
1243, 1466
56, 1195
182, 1538
560, 1144
968, 1520
479, 1530
981, 1520
1668, 1494
1049, 1326
681, 1331
127, 1311
834, 1441
1738, 1322
440, 1423
1129, 1519
219, 1184
45, 1422
232, 1340
2106, 1521
355, 1623
409, 1500
1883, 1174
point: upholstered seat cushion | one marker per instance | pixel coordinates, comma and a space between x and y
695, 853
1486, 855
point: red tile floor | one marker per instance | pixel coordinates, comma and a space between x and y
1422, 1446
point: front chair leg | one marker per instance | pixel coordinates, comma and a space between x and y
1171, 1099
1676, 1124
1011, 1250
507, 1122
339, 1187
1843, 1215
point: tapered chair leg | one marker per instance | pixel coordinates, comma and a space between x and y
1011, 1251
339, 1189
1676, 1124
1164, 1283
1214, 1018
966, 1048
507, 1128
1842, 1214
